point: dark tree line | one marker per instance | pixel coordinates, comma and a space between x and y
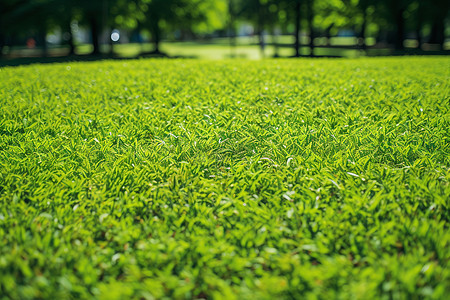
386, 20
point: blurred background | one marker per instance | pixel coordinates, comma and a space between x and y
214, 29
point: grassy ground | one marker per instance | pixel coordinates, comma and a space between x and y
224, 179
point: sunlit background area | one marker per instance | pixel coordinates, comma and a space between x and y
217, 29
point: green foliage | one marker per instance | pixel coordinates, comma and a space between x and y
226, 179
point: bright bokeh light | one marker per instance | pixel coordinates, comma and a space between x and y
115, 35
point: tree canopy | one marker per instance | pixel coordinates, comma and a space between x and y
390, 21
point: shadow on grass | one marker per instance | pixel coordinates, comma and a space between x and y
18, 61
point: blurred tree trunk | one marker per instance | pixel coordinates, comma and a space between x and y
137, 31
328, 34
418, 30
110, 41
43, 41
439, 13
2, 35
310, 18
156, 35
437, 35
71, 45
419, 23
297, 28
111, 45
2, 43
93, 20
70, 38
260, 29
362, 33
275, 43
231, 28
400, 29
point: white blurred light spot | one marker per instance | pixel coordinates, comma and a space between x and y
115, 35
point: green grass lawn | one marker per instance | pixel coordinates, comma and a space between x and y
226, 179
